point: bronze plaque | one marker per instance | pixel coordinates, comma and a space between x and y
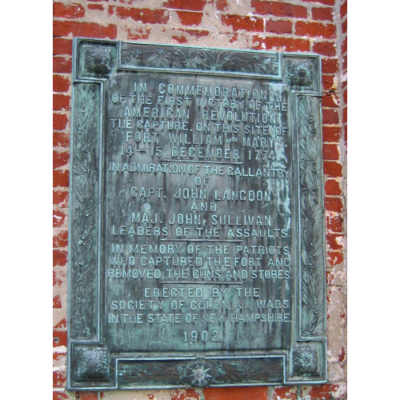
196, 218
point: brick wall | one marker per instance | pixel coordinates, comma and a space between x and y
318, 26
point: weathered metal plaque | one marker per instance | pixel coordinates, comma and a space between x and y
196, 241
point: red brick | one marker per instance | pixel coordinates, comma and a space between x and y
88, 396
344, 115
180, 39
246, 23
144, 15
59, 121
60, 178
333, 244
333, 204
185, 394
95, 7
193, 5
60, 198
334, 257
326, 2
62, 46
328, 81
59, 338
330, 116
283, 44
332, 169
58, 355
335, 224
60, 83
59, 258
280, 26
61, 239
58, 278
190, 18
322, 14
233, 38
315, 29
330, 65
84, 29
343, 10
331, 134
61, 102
328, 100
57, 301
59, 378
138, 33
236, 393
62, 65
58, 218
342, 355
330, 276
279, 9
325, 48
196, 32
331, 152
332, 188
345, 96
344, 63
72, 11
221, 5
344, 26
319, 392
60, 395
344, 46
60, 139
62, 325
287, 393
60, 159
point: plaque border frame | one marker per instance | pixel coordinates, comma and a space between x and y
89, 365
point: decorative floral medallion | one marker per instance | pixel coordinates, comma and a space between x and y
299, 73
93, 364
199, 373
98, 59
305, 361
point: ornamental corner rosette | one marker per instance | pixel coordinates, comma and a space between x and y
198, 374
305, 361
93, 364
299, 73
